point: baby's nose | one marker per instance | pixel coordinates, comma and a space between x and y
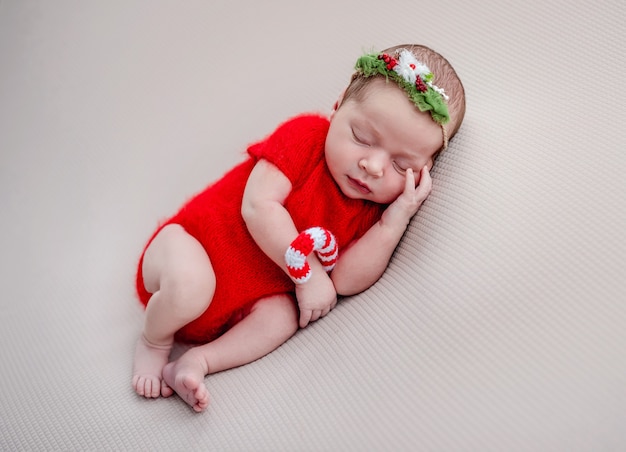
373, 165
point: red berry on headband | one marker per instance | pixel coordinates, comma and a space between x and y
420, 85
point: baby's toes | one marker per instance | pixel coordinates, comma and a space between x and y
166, 391
139, 384
154, 388
202, 398
144, 386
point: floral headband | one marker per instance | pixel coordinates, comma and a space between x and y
411, 75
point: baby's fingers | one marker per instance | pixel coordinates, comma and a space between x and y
425, 184
317, 313
409, 181
305, 317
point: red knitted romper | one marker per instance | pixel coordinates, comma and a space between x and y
244, 274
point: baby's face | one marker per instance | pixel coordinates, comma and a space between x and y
372, 142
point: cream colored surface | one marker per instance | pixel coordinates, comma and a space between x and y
501, 321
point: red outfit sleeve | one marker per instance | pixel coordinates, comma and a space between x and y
289, 148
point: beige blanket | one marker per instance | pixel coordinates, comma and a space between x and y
501, 321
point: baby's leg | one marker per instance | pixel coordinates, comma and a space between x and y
178, 273
270, 323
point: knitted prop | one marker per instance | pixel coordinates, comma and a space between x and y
315, 239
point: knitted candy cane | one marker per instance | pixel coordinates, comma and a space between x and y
315, 239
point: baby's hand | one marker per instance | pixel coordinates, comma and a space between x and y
316, 297
409, 201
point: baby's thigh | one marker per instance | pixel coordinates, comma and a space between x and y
279, 314
175, 258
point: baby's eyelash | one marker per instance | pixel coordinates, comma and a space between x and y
358, 139
398, 167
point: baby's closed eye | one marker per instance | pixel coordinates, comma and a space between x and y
400, 165
359, 138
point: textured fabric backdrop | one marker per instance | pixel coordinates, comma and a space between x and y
501, 321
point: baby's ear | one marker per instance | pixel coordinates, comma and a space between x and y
338, 102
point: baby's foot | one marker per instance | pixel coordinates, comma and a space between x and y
147, 368
186, 377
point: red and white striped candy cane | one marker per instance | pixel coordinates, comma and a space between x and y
317, 239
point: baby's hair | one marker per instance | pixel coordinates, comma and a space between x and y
445, 77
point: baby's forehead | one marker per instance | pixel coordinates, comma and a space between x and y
381, 94
379, 89
402, 137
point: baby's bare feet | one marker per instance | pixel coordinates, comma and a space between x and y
147, 369
186, 377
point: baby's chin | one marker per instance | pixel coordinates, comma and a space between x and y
370, 198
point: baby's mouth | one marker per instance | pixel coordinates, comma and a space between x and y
360, 186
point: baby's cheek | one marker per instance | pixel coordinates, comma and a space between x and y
398, 189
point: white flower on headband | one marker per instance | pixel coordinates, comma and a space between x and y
439, 90
409, 67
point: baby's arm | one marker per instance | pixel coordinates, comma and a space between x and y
364, 261
272, 228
